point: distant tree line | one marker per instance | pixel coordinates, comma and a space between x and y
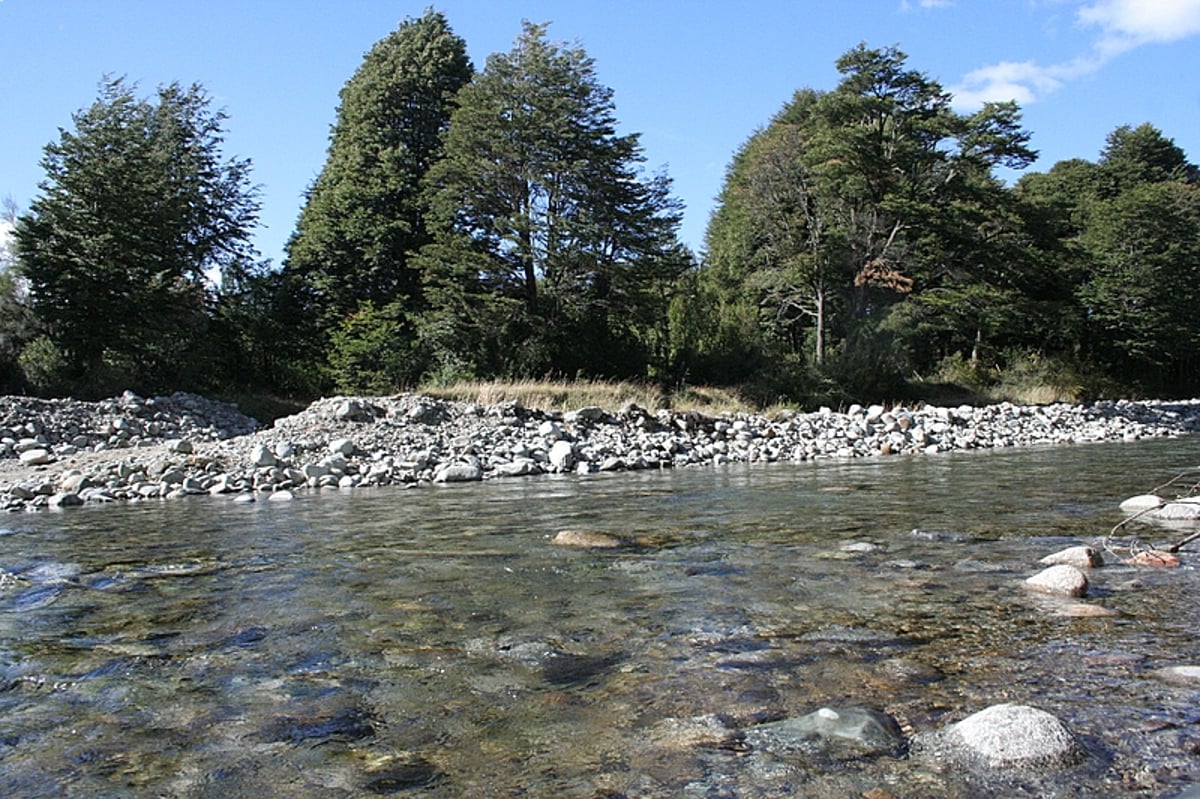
495, 224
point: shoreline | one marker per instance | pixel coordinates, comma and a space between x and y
62, 453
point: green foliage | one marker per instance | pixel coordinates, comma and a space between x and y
470, 226
364, 216
1143, 292
137, 212
553, 251
370, 352
852, 200
44, 367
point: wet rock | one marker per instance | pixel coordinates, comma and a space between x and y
1060, 580
344, 725
405, 775
1155, 557
859, 547
940, 536
866, 731
1179, 675
1141, 502
1005, 736
563, 668
1083, 610
65, 499
1178, 510
585, 539
1081, 557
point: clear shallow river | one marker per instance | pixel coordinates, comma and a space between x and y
434, 643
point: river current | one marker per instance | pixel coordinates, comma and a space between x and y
433, 642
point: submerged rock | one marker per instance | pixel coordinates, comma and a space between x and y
586, 539
1155, 557
866, 731
1179, 675
406, 775
347, 724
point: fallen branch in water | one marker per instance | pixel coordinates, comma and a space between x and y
1190, 492
1134, 547
1183, 541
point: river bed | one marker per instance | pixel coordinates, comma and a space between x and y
434, 642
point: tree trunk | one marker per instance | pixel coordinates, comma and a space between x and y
819, 355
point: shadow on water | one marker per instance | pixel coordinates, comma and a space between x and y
435, 641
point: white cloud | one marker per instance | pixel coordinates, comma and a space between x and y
906, 5
1126, 24
1123, 25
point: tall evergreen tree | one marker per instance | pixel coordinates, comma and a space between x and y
548, 231
138, 211
363, 217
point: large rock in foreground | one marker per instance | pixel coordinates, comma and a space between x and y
1006, 736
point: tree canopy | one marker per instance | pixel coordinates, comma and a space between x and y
500, 223
349, 266
139, 221
548, 235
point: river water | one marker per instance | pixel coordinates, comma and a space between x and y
433, 641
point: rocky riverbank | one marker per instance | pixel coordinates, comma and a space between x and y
58, 453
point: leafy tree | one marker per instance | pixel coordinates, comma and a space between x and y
138, 214
548, 232
1121, 232
855, 199
1135, 156
17, 323
371, 351
1142, 295
363, 217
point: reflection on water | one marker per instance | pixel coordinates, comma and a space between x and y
434, 642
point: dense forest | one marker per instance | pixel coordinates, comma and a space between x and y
495, 224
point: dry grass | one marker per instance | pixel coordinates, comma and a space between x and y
567, 395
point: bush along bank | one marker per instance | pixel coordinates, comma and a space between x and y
60, 453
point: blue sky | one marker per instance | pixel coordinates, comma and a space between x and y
694, 77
